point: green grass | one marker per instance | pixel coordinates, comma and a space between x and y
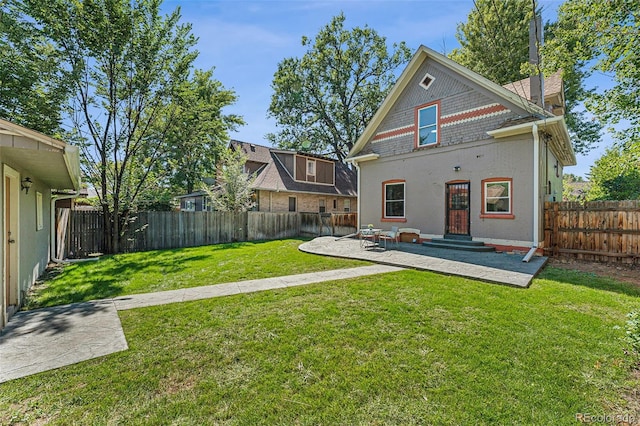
403, 348
162, 270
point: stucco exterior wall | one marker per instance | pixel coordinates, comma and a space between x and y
34, 243
426, 172
270, 201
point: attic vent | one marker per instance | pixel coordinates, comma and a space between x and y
253, 147
426, 81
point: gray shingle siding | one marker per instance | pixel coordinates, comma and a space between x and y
454, 95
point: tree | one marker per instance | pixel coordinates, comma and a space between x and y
495, 43
128, 65
606, 34
616, 175
323, 101
33, 85
195, 144
232, 191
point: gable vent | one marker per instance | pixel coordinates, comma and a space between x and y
426, 81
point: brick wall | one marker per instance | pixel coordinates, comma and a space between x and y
279, 202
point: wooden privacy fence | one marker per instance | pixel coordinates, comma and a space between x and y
163, 230
602, 231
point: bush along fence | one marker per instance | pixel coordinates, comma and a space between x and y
601, 231
164, 230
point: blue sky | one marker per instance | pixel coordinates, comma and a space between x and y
245, 41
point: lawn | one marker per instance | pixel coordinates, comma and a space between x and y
162, 270
409, 347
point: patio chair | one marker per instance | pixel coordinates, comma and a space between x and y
393, 236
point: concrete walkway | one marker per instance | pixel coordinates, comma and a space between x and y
44, 339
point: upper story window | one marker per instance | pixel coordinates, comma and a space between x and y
314, 170
427, 125
394, 199
426, 81
497, 200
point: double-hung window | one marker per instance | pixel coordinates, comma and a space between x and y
497, 198
394, 199
427, 125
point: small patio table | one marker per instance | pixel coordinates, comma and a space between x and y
369, 237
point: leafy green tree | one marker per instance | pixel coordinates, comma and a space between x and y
616, 175
495, 43
33, 85
606, 34
323, 101
129, 65
232, 191
202, 133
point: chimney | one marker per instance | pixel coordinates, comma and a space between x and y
536, 82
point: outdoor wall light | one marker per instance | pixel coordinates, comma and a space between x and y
26, 184
456, 168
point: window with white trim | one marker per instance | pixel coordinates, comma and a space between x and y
428, 125
39, 213
347, 205
394, 200
322, 206
497, 197
311, 167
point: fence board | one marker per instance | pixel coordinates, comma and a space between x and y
164, 230
603, 231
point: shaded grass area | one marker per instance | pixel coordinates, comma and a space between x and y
161, 270
403, 348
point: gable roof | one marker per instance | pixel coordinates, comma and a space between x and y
39, 156
423, 53
275, 177
255, 153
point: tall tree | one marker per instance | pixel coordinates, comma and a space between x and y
128, 65
323, 101
232, 191
202, 134
606, 34
616, 175
495, 43
33, 85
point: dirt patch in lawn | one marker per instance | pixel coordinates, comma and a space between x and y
626, 273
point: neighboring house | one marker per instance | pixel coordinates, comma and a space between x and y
290, 181
35, 168
197, 201
451, 153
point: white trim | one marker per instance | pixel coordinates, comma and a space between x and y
39, 212
436, 124
474, 118
362, 158
536, 185
404, 200
426, 86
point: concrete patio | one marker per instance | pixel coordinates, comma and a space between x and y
500, 268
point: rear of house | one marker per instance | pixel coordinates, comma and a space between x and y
450, 153
34, 168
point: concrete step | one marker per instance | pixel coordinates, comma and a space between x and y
457, 246
457, 242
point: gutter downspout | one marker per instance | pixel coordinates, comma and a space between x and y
536, 193
52, 244
355, 163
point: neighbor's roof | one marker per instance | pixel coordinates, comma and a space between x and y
255, 153
275, 177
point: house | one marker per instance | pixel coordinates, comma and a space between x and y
452, 154
290, 181
36, 170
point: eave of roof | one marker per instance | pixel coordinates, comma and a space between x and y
556, 126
